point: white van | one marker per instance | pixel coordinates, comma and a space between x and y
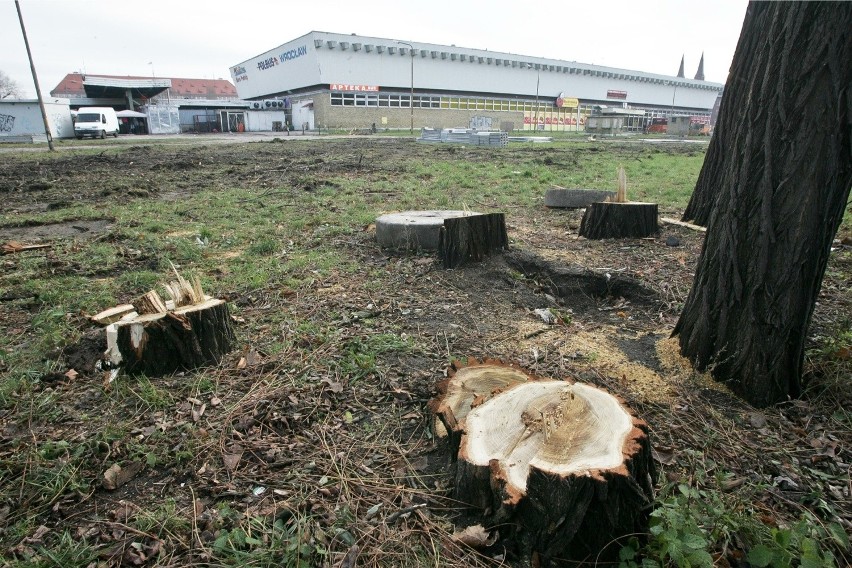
96, 122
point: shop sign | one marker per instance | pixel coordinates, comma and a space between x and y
616, 94
361, 88
239, 73
570, 102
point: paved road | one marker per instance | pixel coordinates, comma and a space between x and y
170, 139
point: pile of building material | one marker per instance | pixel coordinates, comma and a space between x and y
465, 136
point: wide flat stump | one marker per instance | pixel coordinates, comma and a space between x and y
566, 198
563, 470
414, 229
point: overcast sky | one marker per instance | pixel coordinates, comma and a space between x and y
203, 39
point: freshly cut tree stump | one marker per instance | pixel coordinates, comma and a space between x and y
613, 220
188, 331
471, 238
468, 386
564, 470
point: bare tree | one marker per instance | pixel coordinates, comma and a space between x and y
779, 171
9, 88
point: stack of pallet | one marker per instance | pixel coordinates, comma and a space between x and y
465, 136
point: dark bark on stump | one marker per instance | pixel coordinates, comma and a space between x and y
613, 220
780, 169
471, 238
176, 341
588, 482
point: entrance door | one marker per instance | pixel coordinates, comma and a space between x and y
233, 121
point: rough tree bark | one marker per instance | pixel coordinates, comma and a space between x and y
563, 469
471, 238
780, 166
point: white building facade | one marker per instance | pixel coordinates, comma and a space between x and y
350, 81
21, 120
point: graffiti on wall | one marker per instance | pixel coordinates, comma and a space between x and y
7, 122
57, 124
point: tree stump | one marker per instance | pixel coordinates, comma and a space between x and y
471, 238
614, 220
188, 331
563, 470
468, 386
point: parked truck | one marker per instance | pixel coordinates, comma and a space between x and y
96, 122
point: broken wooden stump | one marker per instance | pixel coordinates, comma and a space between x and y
562, 469
471, 238
618, 218
159, 337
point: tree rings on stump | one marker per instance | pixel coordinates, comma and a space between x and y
564, 469
613, 220
468, 386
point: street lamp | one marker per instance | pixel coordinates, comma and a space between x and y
537, 81
673, 98
411, 102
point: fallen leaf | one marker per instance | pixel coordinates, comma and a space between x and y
197, 413
475, 536
333, 386
232, 458
663, 456
757, 419
116, 476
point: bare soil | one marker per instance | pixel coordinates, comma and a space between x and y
301, 434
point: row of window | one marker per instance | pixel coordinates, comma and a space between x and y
425, 101
396, 100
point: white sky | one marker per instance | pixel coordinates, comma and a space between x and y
202, 39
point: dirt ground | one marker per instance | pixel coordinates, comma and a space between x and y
349, 455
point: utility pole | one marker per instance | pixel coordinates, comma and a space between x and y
411, 105
35, 80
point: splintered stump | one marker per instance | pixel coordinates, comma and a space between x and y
471, 238
614, 220
159, 337
562, 470
179, 340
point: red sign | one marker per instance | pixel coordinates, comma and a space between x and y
362, 88
616, 94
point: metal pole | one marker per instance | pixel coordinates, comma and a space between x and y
35, 79
411, 102
537, 81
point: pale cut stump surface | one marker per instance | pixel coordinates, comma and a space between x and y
562, 469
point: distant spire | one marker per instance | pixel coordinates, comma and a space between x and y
699, 75
680, 71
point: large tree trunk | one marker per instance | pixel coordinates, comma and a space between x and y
780, 165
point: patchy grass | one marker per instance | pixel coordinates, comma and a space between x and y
311, 441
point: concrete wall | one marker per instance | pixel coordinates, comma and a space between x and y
22, 118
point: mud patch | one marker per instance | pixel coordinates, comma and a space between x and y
75, 229
84, 355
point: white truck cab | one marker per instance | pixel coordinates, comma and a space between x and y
96, 122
